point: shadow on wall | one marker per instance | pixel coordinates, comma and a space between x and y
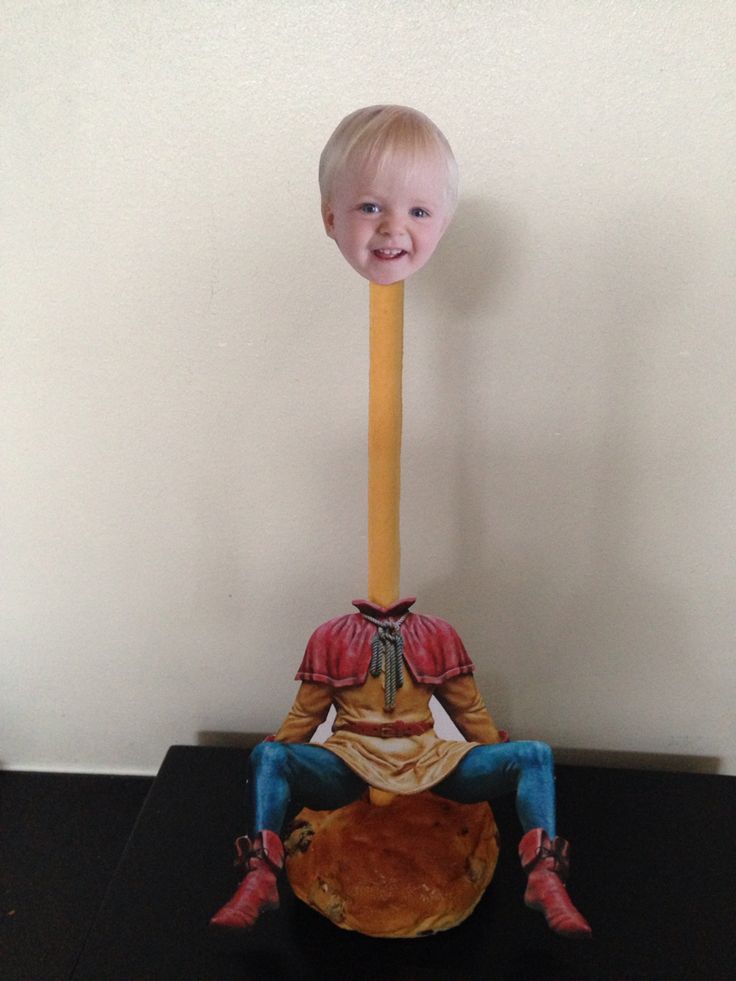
476, 266
548, 538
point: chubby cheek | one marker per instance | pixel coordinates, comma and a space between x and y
421, 254
425, 250
351, 242
355, 254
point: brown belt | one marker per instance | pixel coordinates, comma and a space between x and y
385, 730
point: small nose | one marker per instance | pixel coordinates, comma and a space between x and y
389, 224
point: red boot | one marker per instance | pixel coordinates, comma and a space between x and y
547, 864
262, 859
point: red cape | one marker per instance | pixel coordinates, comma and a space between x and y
339, 652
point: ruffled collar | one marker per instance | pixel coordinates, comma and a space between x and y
394, 611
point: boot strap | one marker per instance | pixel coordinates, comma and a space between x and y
559, 851
266, 846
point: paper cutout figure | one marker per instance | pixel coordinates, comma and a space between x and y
389, 186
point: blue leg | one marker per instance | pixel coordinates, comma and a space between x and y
525, 768
282, 776
285, 777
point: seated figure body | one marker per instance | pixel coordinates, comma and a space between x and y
379, 667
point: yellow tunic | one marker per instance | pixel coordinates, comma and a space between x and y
405, 765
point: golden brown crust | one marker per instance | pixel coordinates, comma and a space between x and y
416, 866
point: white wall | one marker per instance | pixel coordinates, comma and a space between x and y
184, 375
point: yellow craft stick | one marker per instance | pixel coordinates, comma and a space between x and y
384, 441
384, 453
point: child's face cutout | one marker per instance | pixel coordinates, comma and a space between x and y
388, 224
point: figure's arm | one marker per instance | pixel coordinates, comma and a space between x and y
310, 708
462, 701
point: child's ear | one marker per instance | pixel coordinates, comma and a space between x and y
328, 217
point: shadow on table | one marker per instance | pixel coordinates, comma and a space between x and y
618, 760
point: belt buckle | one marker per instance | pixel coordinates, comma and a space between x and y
386, 730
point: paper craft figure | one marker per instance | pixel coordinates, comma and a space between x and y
388, 181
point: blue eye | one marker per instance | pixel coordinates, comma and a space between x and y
419, 213
369, 208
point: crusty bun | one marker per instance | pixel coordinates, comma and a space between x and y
414, 867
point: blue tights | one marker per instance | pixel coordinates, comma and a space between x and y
284, 777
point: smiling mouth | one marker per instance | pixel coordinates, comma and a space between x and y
387, 255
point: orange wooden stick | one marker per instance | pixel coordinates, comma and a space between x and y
384, 441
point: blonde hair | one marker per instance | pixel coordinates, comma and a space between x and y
381, 136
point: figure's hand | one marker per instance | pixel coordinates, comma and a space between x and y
503, 736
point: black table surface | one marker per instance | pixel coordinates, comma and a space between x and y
653, 870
